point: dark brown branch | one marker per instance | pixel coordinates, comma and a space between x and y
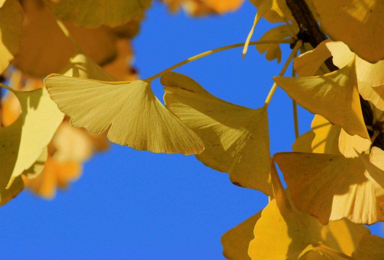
310, 32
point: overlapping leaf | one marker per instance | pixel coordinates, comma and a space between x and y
284, 232
371, 247
331, 187
236, 138
11, 25
23, 142
358, 23
129, 111
94, 13
333, 95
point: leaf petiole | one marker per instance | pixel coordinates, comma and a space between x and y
298, 44
204, 54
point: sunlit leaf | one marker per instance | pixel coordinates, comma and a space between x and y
333, 95
38, 166
308, 63
284, 232
94, 13
236, 138
129, 111
22, 143
351, 145
236, 241
330, 187
358, 23
81, 66
11, 25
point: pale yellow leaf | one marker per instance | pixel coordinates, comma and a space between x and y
236, 138
129, 111
38, 166
333, 95
351, 145
94, 13
22, 142
11, 25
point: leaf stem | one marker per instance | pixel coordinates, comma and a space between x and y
8, 88
274, 86
295, 114
204, 54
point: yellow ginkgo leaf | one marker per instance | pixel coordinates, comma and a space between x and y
308, 63
358, 23
371, 247
326, 136
129, 111
273, 50
22, 142
330, 187
81, 66
333, 95
94, 13
284, 232
235, 137
351, 145
236, 241
11, 192
374, 167
369, 76
11, 25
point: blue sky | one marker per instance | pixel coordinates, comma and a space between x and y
137, 205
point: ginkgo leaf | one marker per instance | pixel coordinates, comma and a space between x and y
303, 143
374, 167
371, 247
284, 232
326, 136
22, 142
94, 13
330, 187
333, 95
11, 25
369, 76
81, 66
351, 145
129, 111
273, 50
236, 241
308, 63
358, 23
236, 138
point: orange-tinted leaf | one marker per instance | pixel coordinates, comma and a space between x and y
236, 138
11, 25
358, 23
